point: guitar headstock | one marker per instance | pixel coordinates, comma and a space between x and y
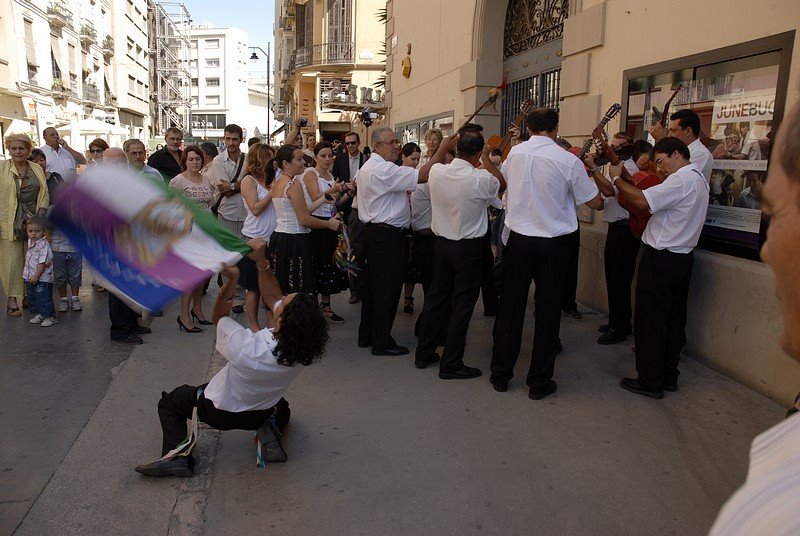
526, 106
601, 142
612, 111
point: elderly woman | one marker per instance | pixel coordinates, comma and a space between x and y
194, 186
23, 193
96, 150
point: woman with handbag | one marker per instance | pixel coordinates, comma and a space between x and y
23, 193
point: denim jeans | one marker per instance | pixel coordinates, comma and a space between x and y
40, 299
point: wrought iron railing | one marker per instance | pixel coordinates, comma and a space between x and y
58, 14
322, 54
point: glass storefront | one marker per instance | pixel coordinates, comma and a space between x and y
415, 131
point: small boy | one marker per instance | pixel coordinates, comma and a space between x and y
38, 274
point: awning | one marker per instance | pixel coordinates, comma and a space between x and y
91, 126
12, 108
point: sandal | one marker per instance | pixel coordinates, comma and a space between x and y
13, 311
330, 315
408, 309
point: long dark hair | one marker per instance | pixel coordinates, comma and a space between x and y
303, 333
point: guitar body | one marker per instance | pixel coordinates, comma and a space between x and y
495, 142
638, 218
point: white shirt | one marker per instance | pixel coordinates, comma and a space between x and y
460, 194
382, 188
545, 184
421, 207
61, 162
698, 154
224, 169
252, 379
679, 206
767, 503
355, 164
611, 210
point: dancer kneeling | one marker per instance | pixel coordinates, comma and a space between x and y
247, 394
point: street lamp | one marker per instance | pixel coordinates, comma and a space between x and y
255, 57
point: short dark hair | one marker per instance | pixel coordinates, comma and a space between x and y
641, 147
470, 143
185, 154
303, 333
669, 145
687, 119
542, 120
410, 148
322, 145
252, 141
233, 128
37, 153
210, 148
358, 138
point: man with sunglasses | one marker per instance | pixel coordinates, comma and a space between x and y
678, 206
345, 167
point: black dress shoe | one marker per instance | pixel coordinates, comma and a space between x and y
464, 373
391, 351
671, 386
574, 313
603, 328
500, 387
632, 385
538, 394
142, 330
180, 466
364, 344
130, 338
612, 336
423, 363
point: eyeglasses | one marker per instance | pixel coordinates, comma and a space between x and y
96, 151
351, 143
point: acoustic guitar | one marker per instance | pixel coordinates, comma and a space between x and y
504, 143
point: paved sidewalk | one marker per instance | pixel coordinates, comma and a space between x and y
378, 447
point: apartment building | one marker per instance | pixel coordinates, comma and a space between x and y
60, 66
218, 68
329, 63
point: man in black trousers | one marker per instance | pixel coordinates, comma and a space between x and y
545, 184
383, 208
460, 194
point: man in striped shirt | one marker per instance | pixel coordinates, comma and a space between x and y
769, 500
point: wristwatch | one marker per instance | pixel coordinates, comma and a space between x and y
328, 196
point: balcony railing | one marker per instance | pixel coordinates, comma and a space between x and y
88, 34
108, 47
91, 93
322, 54
58, 14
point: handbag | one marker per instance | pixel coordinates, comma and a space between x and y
215, 208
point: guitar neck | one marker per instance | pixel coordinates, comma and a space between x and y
588, 143
507, 138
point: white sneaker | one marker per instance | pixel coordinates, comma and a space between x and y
47, 322
36, 319
63, 305
76, 304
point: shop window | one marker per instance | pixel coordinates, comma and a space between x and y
739, 94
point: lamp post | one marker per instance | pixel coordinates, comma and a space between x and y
254, 56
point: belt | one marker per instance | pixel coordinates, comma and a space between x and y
424, 233
620, 223
387, 226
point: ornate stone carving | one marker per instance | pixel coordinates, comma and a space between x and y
531, 23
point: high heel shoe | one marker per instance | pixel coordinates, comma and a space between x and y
182, 327
197, 319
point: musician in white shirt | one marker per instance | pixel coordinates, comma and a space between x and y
545, 184
678, 206
383, 207
685, 125
460, 194
247, 394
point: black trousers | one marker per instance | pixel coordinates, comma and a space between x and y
355, 228
662, 291
175, 408
386, 252
424, 246
488, 287
123, 318
620, 254
571, 281
544, 261
449, 304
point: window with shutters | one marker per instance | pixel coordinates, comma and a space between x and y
30, 53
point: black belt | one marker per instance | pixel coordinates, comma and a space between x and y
387, 227
424, 233
619, 223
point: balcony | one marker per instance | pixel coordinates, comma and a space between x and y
60, 92
91, 93
88, 34
58, 14
108, 47
322, 55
